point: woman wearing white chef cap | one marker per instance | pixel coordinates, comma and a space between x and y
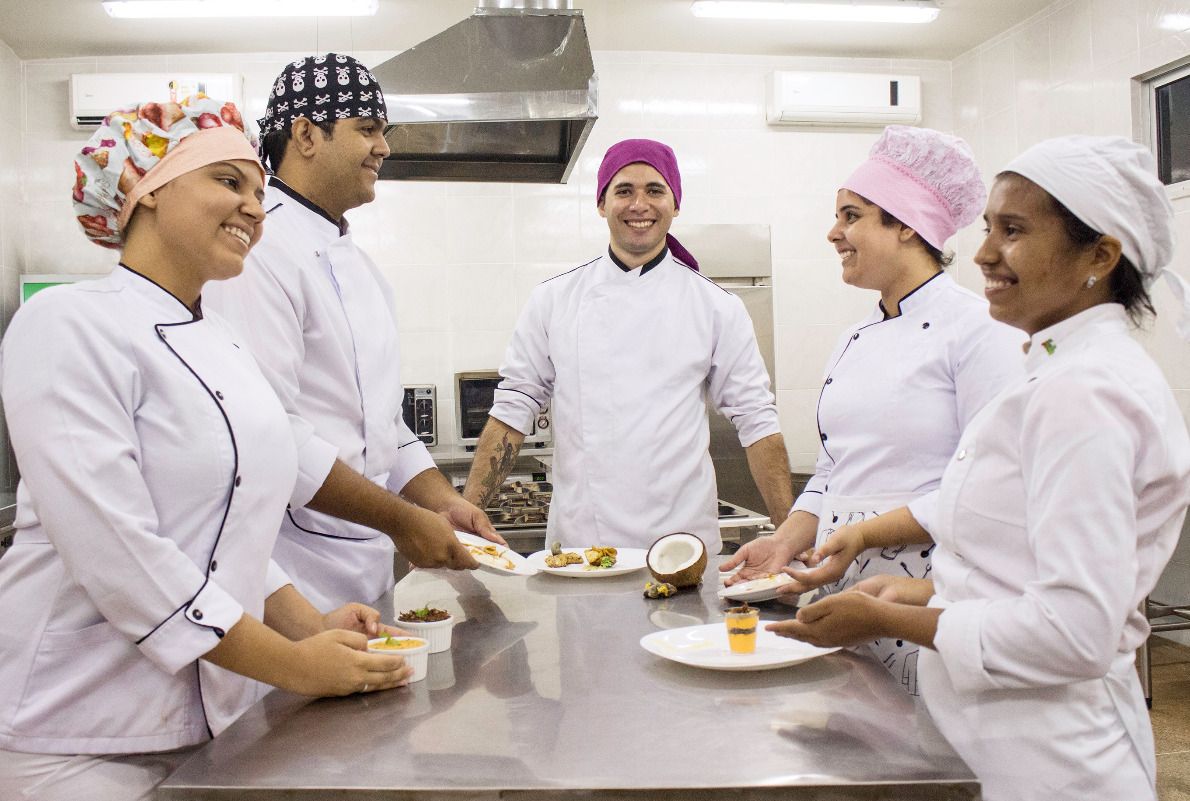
1063, 501
902, 383
139, 597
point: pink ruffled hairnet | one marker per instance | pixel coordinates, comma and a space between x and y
141, 149
926, 179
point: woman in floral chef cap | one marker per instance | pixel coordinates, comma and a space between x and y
901, 384
156, 462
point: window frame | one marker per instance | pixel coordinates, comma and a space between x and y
1149, 83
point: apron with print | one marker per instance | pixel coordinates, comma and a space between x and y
913, 561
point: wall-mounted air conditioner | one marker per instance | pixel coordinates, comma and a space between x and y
94, 95
842, 99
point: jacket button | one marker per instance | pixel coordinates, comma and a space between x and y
238, 480
214, 565
218, 394
829, 380
823, 436
197, 615
962, 455
925, 325
855, 336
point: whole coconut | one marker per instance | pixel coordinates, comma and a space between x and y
678, 559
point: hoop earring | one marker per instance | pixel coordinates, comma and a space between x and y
1091, 281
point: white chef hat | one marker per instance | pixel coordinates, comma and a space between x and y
1111, 184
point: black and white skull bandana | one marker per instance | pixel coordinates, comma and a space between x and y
330, 87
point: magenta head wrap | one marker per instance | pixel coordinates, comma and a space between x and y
926, 179
661, 158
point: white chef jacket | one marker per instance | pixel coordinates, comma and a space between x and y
313, 307
156, 463
630, 361
897, 393
1055, 519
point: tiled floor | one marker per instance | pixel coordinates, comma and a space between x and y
1171, 718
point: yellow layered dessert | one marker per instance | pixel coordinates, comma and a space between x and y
741, 629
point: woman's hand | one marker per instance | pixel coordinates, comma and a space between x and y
360, 618
761, 557
765, 556
849, 618
338, 662
896, 589
830, 561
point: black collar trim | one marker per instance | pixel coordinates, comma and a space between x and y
880, 303
196, 312
311, 205
644, 267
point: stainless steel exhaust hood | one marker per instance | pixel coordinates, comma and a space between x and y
508, 94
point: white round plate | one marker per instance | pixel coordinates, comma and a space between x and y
706, 647
761, 589
520, 565
628, 560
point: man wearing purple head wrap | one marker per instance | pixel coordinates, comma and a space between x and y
629, 348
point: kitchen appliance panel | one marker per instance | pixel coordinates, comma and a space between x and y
420, 412
474, 393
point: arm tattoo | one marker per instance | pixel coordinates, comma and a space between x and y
507, 453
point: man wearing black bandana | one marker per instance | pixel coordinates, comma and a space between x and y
318, 316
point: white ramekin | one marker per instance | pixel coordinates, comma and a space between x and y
436, 633
417, 658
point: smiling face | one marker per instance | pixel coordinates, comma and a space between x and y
211, 217
639, 208
869, 249
1034, 275
347, 164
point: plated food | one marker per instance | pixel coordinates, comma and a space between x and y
761, 589
706, 646
590, 561
434, 625
415, 650
496, 558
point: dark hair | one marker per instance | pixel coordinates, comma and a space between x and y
273, 145
1124, 281
943, 260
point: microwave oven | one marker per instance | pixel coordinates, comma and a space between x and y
474, 393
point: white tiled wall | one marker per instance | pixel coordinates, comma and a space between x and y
462, 258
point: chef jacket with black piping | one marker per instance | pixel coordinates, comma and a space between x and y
898, 392
629, 361
313, 307
156, 463
1057, 513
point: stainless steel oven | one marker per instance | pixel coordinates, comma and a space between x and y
474, 392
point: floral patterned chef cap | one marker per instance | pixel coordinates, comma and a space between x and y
138, 150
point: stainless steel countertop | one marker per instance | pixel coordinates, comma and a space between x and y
546, 693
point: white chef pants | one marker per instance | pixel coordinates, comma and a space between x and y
93, 777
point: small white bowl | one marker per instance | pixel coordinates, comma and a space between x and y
436, 633
417, 658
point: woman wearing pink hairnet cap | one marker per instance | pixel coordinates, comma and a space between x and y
141, 605
1063, 501
901, 384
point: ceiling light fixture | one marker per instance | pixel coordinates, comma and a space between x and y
914, 11
158, 9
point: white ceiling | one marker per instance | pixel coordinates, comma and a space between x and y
64, 28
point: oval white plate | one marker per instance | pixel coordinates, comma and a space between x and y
627, 560
520, 565
762, 589
706, 647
